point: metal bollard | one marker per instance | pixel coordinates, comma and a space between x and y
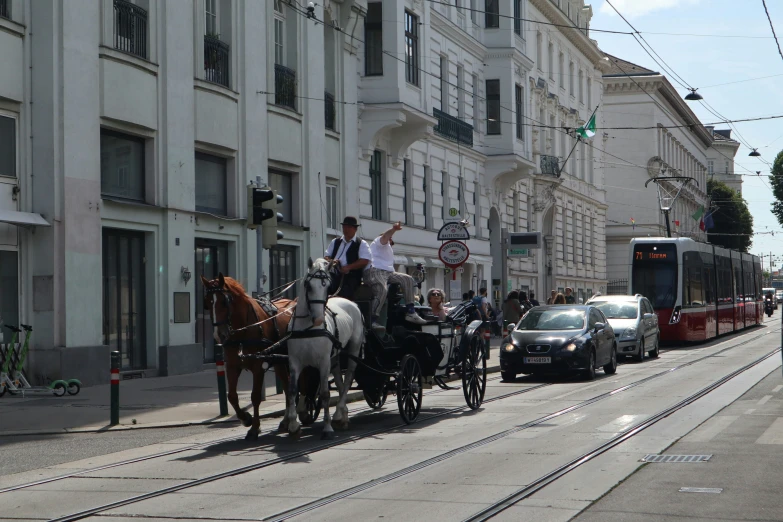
115, 389
487, 336
505, 329
221, 379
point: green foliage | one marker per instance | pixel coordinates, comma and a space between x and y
732, 217
776, 179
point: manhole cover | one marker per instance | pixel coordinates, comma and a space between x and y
676, 458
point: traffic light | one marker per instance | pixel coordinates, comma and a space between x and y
262, 210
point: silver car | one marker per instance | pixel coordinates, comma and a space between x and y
634, 322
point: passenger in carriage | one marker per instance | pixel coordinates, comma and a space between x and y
435, 300
354, 256
381, 272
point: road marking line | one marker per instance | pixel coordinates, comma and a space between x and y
774, 434
707, 431
777, 388
750, 411
764, 400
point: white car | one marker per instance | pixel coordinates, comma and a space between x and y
634, 322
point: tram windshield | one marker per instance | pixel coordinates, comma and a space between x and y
654, 274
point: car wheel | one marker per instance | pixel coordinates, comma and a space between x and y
508, 376
611, 367
589, 373
640, 356
654, 351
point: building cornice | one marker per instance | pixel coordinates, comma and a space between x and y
659, 85
447, 28
575, 35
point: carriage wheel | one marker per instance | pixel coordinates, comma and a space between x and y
409, 389
312, 403
474, 373
376, 398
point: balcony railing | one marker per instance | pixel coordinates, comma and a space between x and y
453, 128
5, 9
285, 87
130, 28
330, 110
216, 56
550, 165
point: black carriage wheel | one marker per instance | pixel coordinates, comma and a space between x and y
312, 403
376, 398
474, 374
409, 389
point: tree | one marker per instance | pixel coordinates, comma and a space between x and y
733, 222
776, 179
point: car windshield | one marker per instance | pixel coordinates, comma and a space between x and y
617, 310
553, 319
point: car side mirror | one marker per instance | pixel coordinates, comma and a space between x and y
511, 327
598, 327
648, 316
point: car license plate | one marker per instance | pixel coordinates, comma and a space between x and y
538, 360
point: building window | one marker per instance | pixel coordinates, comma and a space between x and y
493, 106
210, 18
589, 92
216, 60
460, 92
373, 40
376, 185
211, 182
9, 292
444, 84
283, 182
122, 166
520, 112
406, 169
551, 61
571, 78
7, 146
539, 50
5, 12
282, 269
279, 33
562, 71
427, 183
518, 17
476, 109
331, 206
581, 86
474, 11
726, 166
130, 28
411, 48
710, 167
491, 15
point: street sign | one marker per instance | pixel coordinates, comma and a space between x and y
453, 254
453, 230
518, 252
524, 240
453, 212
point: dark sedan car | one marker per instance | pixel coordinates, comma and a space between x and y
559, 338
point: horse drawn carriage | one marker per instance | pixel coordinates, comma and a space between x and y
334, 336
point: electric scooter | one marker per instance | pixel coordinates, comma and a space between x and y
17, 382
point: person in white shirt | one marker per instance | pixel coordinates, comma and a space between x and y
382, 272
354, 256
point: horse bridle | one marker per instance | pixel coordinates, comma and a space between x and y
229, 300
320, 275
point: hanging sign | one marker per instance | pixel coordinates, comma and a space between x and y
453, 254
453, 212
453, 230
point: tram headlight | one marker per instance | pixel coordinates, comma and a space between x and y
629, 333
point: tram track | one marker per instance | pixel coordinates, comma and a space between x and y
373, 433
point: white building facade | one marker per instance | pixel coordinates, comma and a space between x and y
650, 132
720, 159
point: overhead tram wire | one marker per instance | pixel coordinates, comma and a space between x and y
771, 26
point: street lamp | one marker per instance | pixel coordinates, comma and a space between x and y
754, 153
694, 96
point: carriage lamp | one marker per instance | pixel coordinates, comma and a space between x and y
186, 274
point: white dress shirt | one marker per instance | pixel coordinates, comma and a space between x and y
382, 255
364, 250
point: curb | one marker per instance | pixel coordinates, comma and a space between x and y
353, 396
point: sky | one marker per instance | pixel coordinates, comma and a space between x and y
742, 48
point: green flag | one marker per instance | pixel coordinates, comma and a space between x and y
699, 213
588, 130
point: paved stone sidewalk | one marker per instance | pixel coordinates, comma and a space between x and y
144, 403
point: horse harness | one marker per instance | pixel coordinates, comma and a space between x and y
266, 305
310, 332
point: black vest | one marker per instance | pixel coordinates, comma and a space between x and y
351, 256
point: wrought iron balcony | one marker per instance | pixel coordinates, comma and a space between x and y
550, 165
330, 110
453, 128
4, 9
285, 87
216, 57
130, 28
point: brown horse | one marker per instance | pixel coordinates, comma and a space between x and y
232, 310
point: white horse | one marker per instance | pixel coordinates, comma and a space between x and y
311, 347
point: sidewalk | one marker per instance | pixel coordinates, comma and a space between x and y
741, 480
154, 402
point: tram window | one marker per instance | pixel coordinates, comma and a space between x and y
709, 290
694, 288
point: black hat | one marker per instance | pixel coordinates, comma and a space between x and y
351, 221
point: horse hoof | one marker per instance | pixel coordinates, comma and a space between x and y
247, 420
296, 434
251, 435
327, 435
282, 427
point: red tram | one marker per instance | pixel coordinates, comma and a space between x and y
698, 290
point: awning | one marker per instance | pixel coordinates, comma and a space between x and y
415, 260
434, 263
400, 260
22, 219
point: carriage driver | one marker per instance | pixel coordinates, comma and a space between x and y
354, 256
381, 272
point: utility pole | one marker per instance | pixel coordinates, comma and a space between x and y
260, 277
